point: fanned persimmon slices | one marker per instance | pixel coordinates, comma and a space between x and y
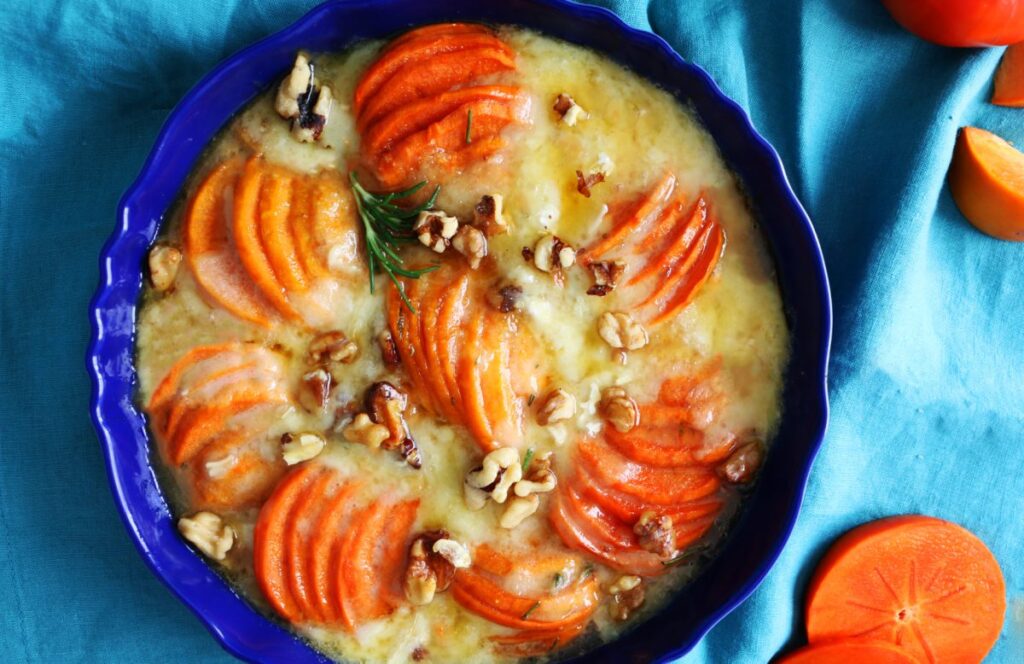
669, 245
431, 101
467, 362
268, 243
210, 414
329, 551
664, 467
548, 597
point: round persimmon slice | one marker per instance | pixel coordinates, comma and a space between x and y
1009, 84
987, 181
850, 652
923, 583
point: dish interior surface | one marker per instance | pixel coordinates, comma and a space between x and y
225, 362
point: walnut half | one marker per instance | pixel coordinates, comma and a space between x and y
493, 478
163, 263
557, 406
208, 533
435, 230
306, 105
619, 409
620, 331
431, 571
385, 405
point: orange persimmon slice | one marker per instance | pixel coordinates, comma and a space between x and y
987, 182
850, 652
923, 583
1009, 85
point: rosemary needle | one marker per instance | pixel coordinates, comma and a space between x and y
385, 227
469, 126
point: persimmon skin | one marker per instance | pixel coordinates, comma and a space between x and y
1009, 82
849, 652
961, 22
987, 182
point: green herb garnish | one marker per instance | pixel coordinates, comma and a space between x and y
531, 399
527, 459
588, 569
469, 126
530, 610
386, 226
558, 581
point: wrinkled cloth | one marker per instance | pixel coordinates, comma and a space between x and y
928, 360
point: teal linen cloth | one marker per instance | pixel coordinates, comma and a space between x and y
927, 374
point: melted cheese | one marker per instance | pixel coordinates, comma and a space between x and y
634, 133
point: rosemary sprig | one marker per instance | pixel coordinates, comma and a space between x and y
469, 126
527, 459
530, 610
385, 227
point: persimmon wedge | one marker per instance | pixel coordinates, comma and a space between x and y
850, 652
1009, 84
987, 182
917, 581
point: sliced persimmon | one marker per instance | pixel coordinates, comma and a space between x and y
850, 652
201, 424
275, 230
658, 486
323, 538
303, 513
187, 364
496, 385
987, 182
249, 211
658, 447
209, 251
535, 643
450, 327
246, 482
667, 220
431, 305
671, 259
389, 565
474, 409
361, 583
489, 600
1009, 83
925, 584
305, 207
269, 561
416, 46
421, 114
432, 77
647, 209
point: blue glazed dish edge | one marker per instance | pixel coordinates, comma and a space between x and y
238, 627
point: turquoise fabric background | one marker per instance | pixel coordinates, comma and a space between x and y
928, 365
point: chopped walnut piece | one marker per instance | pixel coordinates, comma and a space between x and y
619, 330
743, 464
163, 266
493, 478
606, 276
557, 406
208, 533
655, 534
552, 254
585, 182
518, 510
488, 215
454, 552
627, 597
619, 409
504, 297
428, 571
419, 654
306, 105
471, 243
315, 390
435, 230
388, 349
365, 431
296, 448
331, 347
567, 109
386, 404
538, 477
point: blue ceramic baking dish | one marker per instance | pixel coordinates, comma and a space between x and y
756, 539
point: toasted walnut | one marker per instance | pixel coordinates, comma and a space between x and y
386, 404
623, 584
296, 448
538, 477
218, 468
498, 471
627, 600
619, 330
471, 243
504, 297
606, 276
365, 431
315, 390
743, 464
330, 348
567, 109
557, 406
518, 510
619, 409
551, 254
302, 102
388, 349
163, 266
208, 533
489, 216
655, 534
454, 552
428, 571
585, 182
435, 230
